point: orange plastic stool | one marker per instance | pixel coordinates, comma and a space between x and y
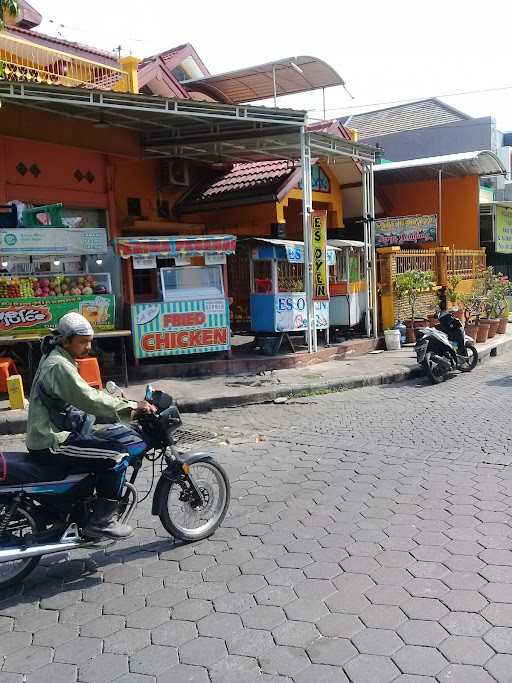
90, 371
7, 368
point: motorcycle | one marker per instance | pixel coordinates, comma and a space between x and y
439, 351
43, 512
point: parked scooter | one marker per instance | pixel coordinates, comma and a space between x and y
43, 511
445, 348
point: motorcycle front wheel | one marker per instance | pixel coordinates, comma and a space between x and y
433, 370
472, 361
180, 514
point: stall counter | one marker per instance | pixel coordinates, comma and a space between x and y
180, 327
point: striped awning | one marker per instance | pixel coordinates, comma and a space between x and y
179, 245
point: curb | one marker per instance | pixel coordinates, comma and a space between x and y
15, 422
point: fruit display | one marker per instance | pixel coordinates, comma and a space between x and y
25, 287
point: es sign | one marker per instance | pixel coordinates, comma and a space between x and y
319, 255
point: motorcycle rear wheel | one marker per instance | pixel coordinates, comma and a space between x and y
186, 522
472, 359
432, 370
23, 525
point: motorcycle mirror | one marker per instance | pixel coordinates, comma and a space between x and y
111, 388
149, 393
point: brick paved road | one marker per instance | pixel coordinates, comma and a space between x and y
369, 541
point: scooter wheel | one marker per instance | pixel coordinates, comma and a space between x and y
472, 359
432, 370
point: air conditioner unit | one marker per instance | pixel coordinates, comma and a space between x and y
176, 172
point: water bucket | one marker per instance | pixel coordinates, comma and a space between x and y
392, 338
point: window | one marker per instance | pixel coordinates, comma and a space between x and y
319, 180
192, 282
180, 74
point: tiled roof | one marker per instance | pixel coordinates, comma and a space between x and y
163, 55
64, 45
255, 180
410, 116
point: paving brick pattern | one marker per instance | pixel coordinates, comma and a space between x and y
369, 540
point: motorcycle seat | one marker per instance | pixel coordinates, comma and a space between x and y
17, 467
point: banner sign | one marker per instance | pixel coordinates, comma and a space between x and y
180, 327
393, 232
319, 255
504, 229
38, 315
291, 313
53, 241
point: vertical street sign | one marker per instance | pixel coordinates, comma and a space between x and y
319, 255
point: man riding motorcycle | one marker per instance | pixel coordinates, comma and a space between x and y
59, 433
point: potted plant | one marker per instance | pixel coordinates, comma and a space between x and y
399, 295
490, 291
502, 289
413, 283
452, 297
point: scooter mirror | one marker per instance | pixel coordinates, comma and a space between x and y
111, 388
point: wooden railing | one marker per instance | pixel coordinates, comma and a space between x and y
465, 264
415, 260
23, 61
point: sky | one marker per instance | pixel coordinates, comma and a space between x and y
387, 51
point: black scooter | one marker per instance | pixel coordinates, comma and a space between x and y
445, 348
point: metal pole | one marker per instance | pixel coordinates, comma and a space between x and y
366, 238
439, 207
274, 84
323, 100
307, 207
371, 212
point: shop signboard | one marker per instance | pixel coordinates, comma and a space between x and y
37, 315
53, 241
144, 262
295, 254
504, 229
393, 232
319, 255
180, 327
291, 313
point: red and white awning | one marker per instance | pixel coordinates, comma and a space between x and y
179, 245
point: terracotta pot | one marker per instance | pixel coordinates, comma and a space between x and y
482, 332
410, 335
502, 326
493, 325
471, 330
418, 322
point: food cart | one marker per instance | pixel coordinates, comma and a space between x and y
278, 299
45, 273
347, 284
177, 293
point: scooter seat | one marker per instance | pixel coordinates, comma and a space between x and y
19, 468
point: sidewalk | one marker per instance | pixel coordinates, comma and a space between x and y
200, 395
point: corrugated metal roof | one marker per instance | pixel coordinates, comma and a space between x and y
292, 75
481, 163
410, 116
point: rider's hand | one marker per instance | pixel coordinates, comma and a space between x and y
146, 408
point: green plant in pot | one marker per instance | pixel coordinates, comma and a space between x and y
413, 283
502, 289
451, 291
